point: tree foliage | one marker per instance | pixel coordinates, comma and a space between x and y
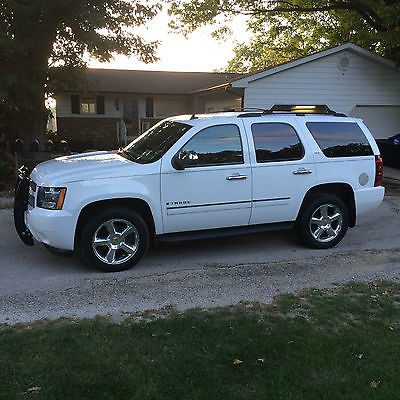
283, 30
44, 43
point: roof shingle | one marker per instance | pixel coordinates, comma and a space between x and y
154, 82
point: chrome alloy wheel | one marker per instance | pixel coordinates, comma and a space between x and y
115, 241
326, 223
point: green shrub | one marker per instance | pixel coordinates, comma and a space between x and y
7, 164
52, 135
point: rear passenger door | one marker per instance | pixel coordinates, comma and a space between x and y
282, 169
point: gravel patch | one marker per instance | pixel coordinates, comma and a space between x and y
203, 287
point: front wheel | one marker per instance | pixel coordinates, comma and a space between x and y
323, 221
114, 240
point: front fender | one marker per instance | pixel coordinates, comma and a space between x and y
147, 188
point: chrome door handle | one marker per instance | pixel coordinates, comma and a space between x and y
236, 177
302, 171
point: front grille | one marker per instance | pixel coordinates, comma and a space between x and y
32, 193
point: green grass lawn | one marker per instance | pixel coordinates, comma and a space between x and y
336, 344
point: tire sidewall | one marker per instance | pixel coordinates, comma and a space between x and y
92, 224
303, 222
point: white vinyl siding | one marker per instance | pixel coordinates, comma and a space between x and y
322, 82
383, 122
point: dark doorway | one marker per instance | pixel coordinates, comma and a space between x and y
131, 116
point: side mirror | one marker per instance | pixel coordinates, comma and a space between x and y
184, 159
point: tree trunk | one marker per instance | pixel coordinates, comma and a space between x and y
28, 121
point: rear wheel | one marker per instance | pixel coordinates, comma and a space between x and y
114, 240
323, 221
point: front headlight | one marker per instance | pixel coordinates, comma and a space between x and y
51, 198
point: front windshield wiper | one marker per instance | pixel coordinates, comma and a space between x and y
127, 153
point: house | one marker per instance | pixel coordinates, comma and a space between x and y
118, 105
347, 78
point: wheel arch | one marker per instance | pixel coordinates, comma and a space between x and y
135, 204
343, 190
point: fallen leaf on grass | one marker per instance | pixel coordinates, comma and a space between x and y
34, 389
236, 361
374, 384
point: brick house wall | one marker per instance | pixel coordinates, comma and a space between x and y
88, 133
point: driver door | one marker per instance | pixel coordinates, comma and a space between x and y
212, 191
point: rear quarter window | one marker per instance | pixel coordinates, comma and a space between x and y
340, 139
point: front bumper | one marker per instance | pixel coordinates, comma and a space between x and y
55, 228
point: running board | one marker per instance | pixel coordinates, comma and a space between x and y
223, 232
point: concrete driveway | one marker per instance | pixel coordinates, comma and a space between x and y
35, 284
391, 173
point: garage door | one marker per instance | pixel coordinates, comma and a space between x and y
382, 121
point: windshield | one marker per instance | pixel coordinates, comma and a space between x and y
155, 142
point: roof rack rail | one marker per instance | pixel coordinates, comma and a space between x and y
278, 109
238, 109
251, 114
306, 109
194, 116
292, 109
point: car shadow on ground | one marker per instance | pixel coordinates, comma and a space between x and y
195, 253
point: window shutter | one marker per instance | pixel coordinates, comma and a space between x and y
149, 107
100, 104
75, 104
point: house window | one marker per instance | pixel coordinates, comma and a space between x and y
88, 105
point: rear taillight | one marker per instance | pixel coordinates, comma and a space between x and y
378, 170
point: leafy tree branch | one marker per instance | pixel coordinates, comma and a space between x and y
44, 43
283, 30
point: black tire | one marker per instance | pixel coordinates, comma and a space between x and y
58, 252
97, 227
308, 231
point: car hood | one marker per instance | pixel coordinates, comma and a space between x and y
85, 166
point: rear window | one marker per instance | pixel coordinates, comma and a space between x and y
340, 139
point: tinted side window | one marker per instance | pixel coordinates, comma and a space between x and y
276, 141
340, 139
218, 144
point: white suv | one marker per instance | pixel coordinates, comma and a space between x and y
203, 176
